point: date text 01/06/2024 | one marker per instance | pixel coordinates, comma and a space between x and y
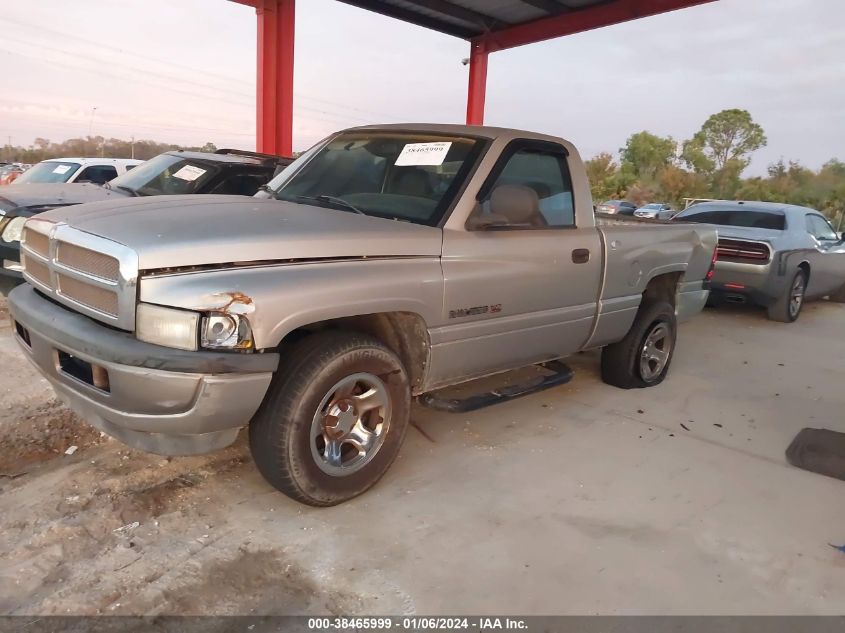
416, 623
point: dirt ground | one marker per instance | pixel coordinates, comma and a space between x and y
582, 499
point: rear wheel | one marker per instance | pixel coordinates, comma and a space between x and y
788, 307
333, 419
643, 357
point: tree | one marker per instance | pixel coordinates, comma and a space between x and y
721, 149
93, 146
639, 194
645, 154
675, 184
209, 147
602, 171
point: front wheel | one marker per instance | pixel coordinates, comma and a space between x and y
787, 308
642, 358
333, 419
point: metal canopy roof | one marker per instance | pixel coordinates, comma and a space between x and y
489, 25
517, 21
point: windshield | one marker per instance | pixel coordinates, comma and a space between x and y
53, 171
400, 175
653, 205
734, 217
166, 174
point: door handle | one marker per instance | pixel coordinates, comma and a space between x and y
580, 256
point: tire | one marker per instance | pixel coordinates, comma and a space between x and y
622, 364
839, 295
308, 439
788, 307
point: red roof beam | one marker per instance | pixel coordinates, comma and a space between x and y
578, 21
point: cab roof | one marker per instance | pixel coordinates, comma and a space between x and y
482, 131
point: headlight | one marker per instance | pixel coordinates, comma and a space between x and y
166, 326
13, 230
225, 331
182, 329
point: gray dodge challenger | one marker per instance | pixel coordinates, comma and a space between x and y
772, 254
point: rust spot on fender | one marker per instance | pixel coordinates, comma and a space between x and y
236, 297
234, 302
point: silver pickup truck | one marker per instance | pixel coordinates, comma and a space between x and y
385, 263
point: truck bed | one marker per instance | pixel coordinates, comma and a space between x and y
639, 249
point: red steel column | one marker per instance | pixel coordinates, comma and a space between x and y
477, 88
275, 76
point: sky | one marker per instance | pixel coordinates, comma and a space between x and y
183, 71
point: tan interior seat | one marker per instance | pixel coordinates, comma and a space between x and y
518, 204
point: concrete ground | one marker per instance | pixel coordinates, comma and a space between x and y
582, 499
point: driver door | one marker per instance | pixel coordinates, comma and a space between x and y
521, 284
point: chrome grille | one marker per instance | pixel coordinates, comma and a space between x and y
37, 242
89, 274
93, 297
88, 261
36, 269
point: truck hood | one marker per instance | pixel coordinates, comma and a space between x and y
749, 233
196, 230
36, 197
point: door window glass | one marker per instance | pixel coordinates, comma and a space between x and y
820, 228
539, 183
97, 174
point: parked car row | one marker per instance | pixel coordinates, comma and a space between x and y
650, 211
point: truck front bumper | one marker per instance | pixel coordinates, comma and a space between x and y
157, 399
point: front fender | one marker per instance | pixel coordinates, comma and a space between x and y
278, 299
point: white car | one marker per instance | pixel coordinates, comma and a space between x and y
655, 211
96, 170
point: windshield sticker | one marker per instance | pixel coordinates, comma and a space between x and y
62, 169
423, 154
189, 173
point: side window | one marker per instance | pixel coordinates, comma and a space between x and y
98, 174
533, 190
820, 228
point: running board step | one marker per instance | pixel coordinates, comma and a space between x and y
561, 375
